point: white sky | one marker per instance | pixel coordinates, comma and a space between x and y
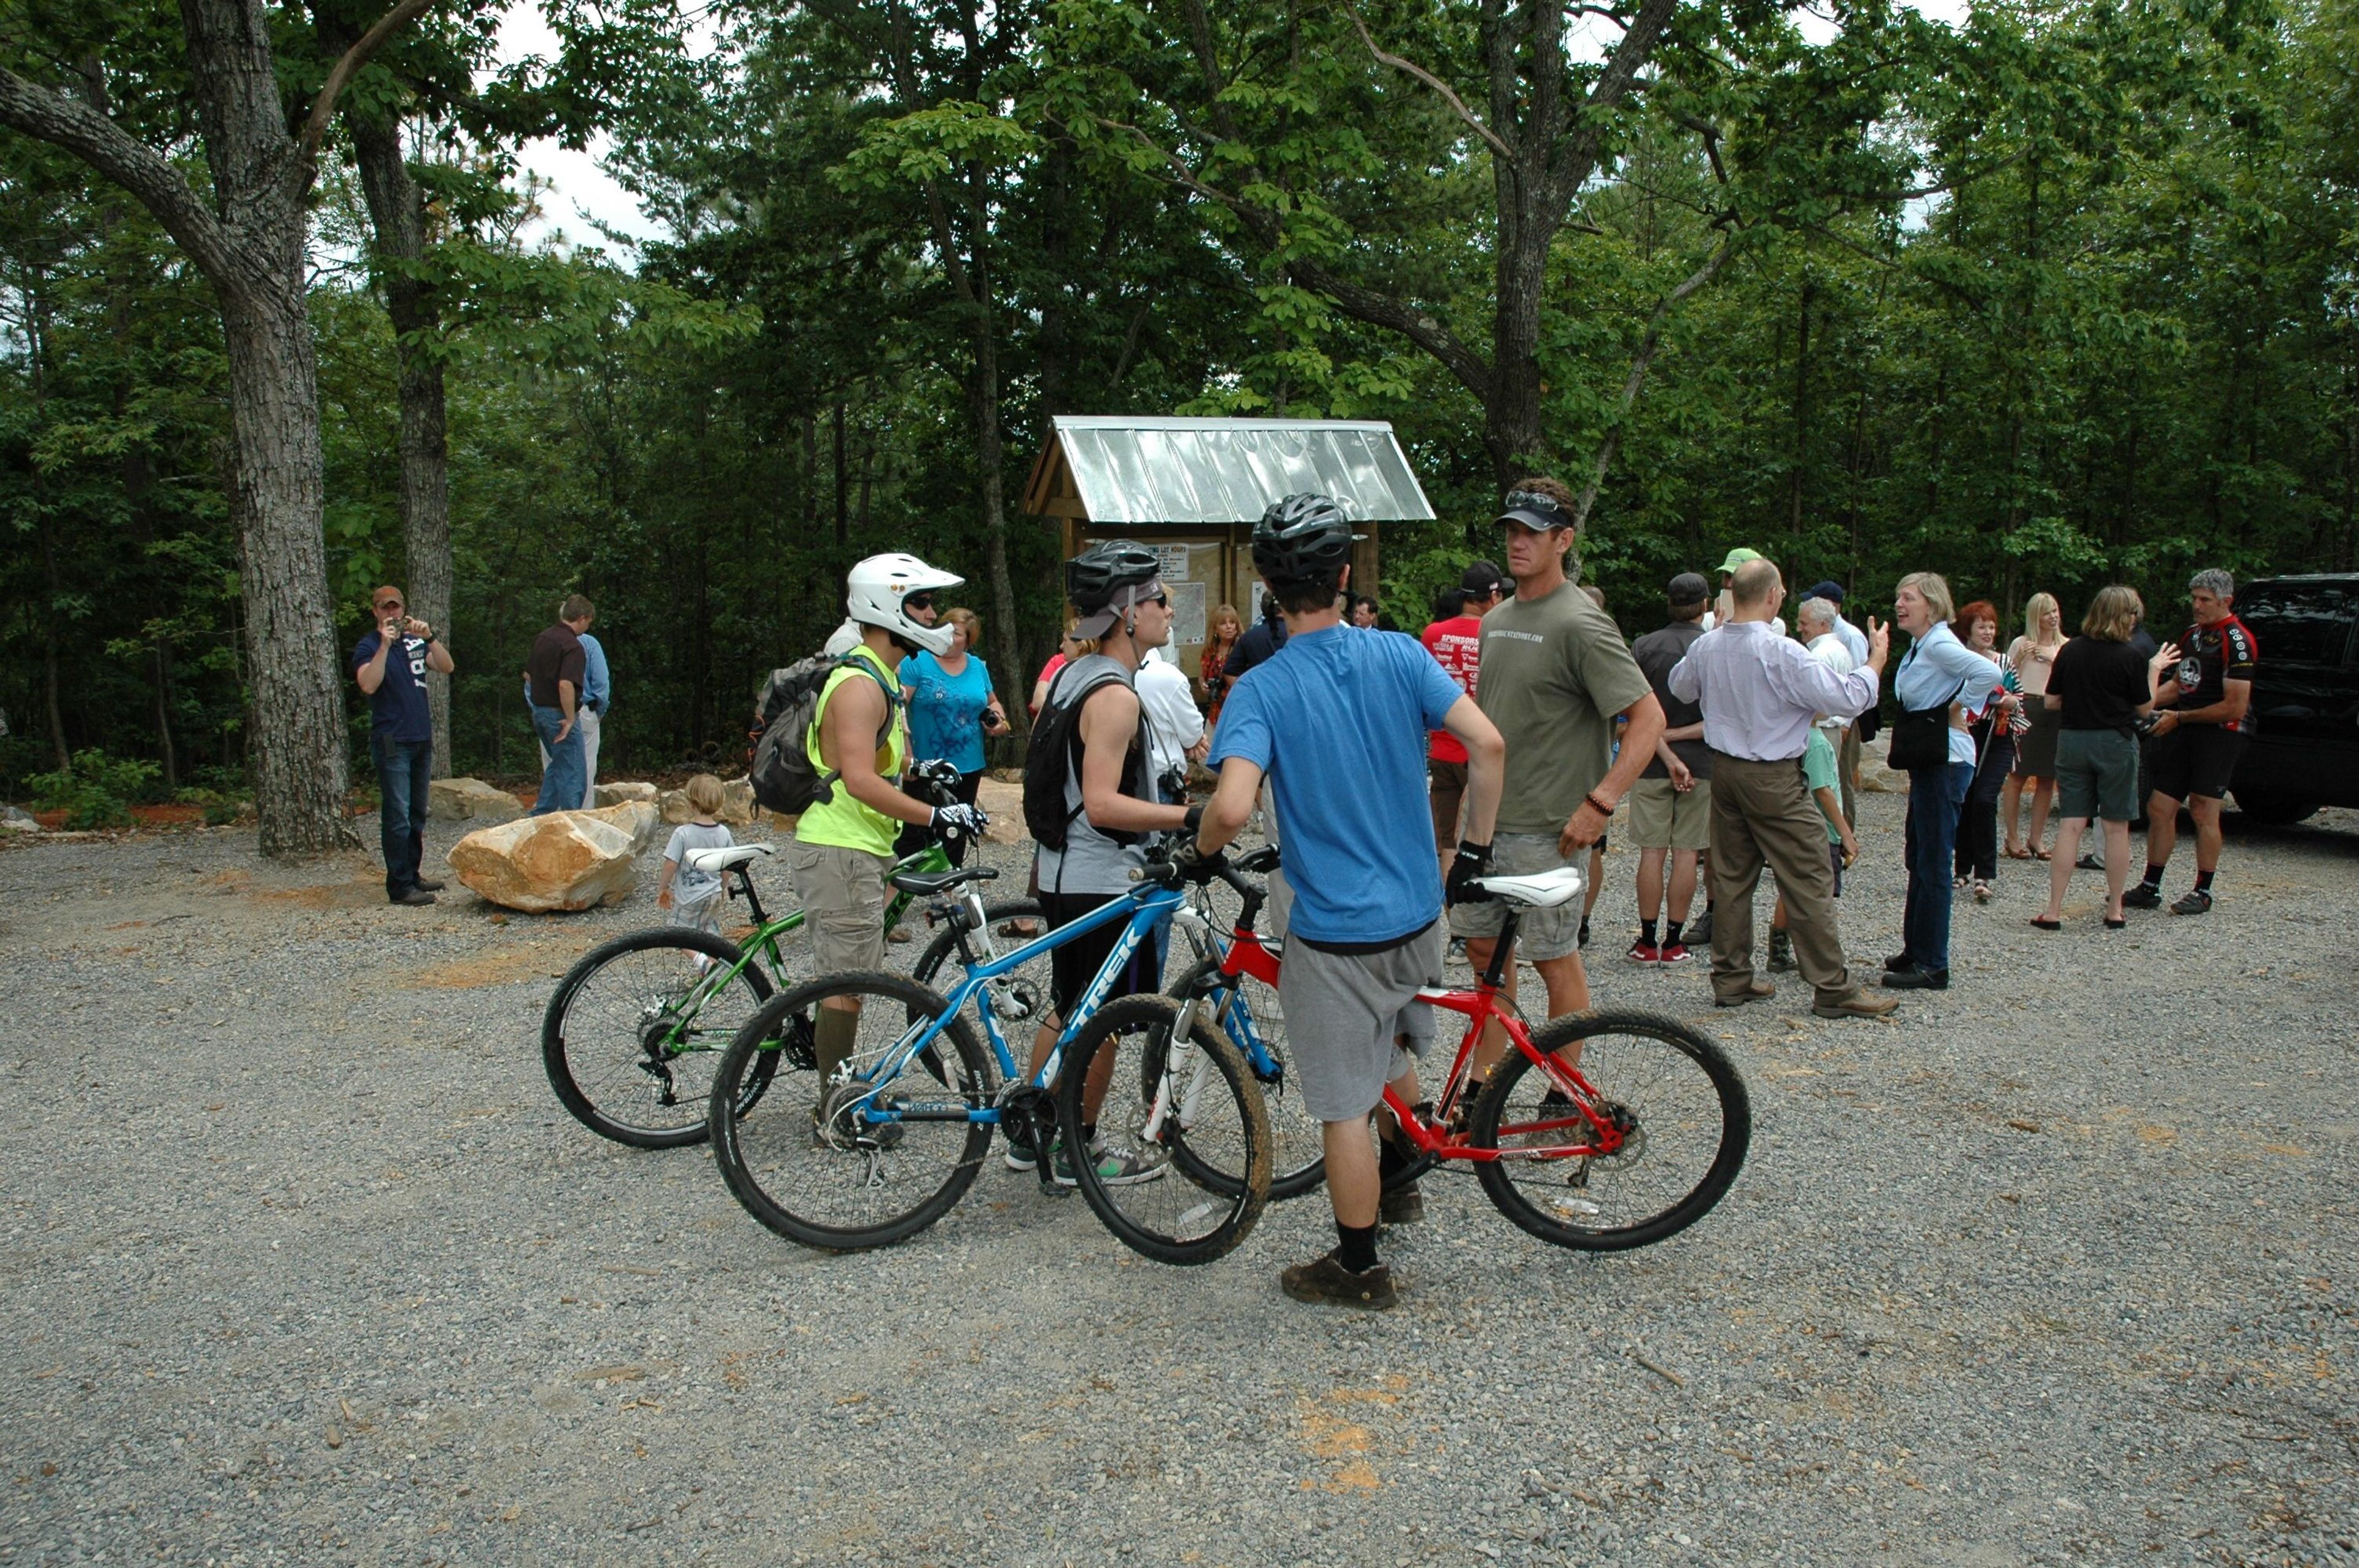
580, 190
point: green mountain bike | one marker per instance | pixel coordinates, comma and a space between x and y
631, 1035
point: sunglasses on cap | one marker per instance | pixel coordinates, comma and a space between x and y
1533, 501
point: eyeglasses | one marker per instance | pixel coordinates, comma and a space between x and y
917, 601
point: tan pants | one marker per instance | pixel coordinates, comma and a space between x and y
1848, 752
1763, 814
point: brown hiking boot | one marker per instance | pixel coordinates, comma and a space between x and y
1403, 1205
1755, 991
1857, 1004
1324, 1278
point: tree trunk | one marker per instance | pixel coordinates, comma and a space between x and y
397, 214
296, 744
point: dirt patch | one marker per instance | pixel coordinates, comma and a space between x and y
357, 895
530, 960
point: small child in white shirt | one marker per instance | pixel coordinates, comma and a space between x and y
695, 898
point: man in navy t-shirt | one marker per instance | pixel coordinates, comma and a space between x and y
1337, 719
390, 664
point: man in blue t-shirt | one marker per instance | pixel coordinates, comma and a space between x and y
390, 664
1337, 719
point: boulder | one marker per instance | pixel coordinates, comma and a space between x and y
567, 860
15, 821
1004, 804
617, 794
1875, 773
471, 800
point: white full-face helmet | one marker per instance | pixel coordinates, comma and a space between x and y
880, 586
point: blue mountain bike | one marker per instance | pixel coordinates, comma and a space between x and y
1170, 1142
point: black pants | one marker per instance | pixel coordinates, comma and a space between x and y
1978, 823
1073, 966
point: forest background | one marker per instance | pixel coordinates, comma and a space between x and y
2061, 295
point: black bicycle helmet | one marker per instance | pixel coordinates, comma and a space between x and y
1105, 569
1301, 538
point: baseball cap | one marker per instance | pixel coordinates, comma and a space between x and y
1689, 587
1737, 558
1828, 591
1529, 509
1484, 577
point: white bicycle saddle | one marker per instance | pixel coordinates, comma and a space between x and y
1544, 891
713, 862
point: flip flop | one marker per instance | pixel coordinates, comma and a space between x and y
2041, 855
2047, 924
2018, 854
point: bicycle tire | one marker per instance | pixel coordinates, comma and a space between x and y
1692, 1120
601, 1055
835, 1192
1298, 1148
1216, 1180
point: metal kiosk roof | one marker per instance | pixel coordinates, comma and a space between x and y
1107, 470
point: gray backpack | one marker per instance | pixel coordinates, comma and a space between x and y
783, 777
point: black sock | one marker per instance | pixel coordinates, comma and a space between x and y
1089, 1135
1646, 931
2203, 882
2153, 875
1671, 932
1358, 1251
1391, 1159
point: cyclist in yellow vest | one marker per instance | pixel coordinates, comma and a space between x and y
843, 845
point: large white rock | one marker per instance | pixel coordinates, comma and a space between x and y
567, 860
15, 821
1004, 804
470, 800
1875, 773
617, 794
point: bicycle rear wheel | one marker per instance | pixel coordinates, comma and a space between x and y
811, 1161
631, 1037
1298, 1147
1180, 1166
1682, 1110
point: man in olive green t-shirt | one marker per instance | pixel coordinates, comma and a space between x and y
1554, 675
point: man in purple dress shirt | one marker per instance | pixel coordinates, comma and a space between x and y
1760, 691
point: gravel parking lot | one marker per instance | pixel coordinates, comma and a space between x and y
305, 1264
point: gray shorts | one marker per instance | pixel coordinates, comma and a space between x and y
1346, 1013
843, 904
1540, 933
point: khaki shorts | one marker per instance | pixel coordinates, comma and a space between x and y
1540, 933
1663, 818
1446, 790
843, 904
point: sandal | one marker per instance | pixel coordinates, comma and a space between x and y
2041, 855
1981, 891
2045, 923
2015, 854
2116, 921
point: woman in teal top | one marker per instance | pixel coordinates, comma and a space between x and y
952, 708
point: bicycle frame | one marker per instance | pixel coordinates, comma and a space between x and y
1144, 909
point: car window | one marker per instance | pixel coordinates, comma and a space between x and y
2305, 625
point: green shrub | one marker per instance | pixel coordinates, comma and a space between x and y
220, 807
95, 790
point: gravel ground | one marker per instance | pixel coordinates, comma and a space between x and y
305, 1264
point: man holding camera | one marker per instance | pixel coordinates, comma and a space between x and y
390, 664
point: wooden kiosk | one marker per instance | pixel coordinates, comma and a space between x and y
1192, 489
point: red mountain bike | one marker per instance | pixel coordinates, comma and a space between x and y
1597, 1130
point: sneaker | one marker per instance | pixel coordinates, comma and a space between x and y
2090, 862
1114, 1167
1698, 934
1324, 1278
1673, 952
1020, 1155
413, 896
2197, 902
2145, 895
1645, 952
1782, 950
432, 884
1403, 1205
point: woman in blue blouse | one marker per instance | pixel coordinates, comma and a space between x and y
951, 706
1939, 672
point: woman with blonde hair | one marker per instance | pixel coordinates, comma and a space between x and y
2099, 689
1220, 640
1937, 682
2034, 654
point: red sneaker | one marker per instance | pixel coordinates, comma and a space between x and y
1673, 952
1645, 952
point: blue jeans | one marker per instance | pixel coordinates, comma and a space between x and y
404, 772
1935, 796
564, 777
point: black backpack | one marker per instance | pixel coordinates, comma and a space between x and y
787, 706
1055, 748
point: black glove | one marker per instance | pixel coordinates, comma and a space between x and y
1194, 821
1190, 862
958, 821
1460, 886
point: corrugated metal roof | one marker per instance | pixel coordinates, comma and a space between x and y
1131, 470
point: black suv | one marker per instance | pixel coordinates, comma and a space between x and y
2305, 748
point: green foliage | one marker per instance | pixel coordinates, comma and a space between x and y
93, 789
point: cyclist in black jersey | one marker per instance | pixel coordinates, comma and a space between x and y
2202, 717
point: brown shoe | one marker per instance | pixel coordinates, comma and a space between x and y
432, 884
1401, 1205
1324, 1278
1857, 1004
1755, 991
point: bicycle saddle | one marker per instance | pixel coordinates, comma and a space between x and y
926, 884
713, 862
1543, 890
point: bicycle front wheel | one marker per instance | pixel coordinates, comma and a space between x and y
631, 1037
851, 1163
1681, 1112
1179, 1168
1298, 1146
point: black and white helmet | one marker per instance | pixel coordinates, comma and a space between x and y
1302, 538
1106, 580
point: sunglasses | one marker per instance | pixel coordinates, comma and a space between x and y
1531, 500
1162, 598
917, 601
